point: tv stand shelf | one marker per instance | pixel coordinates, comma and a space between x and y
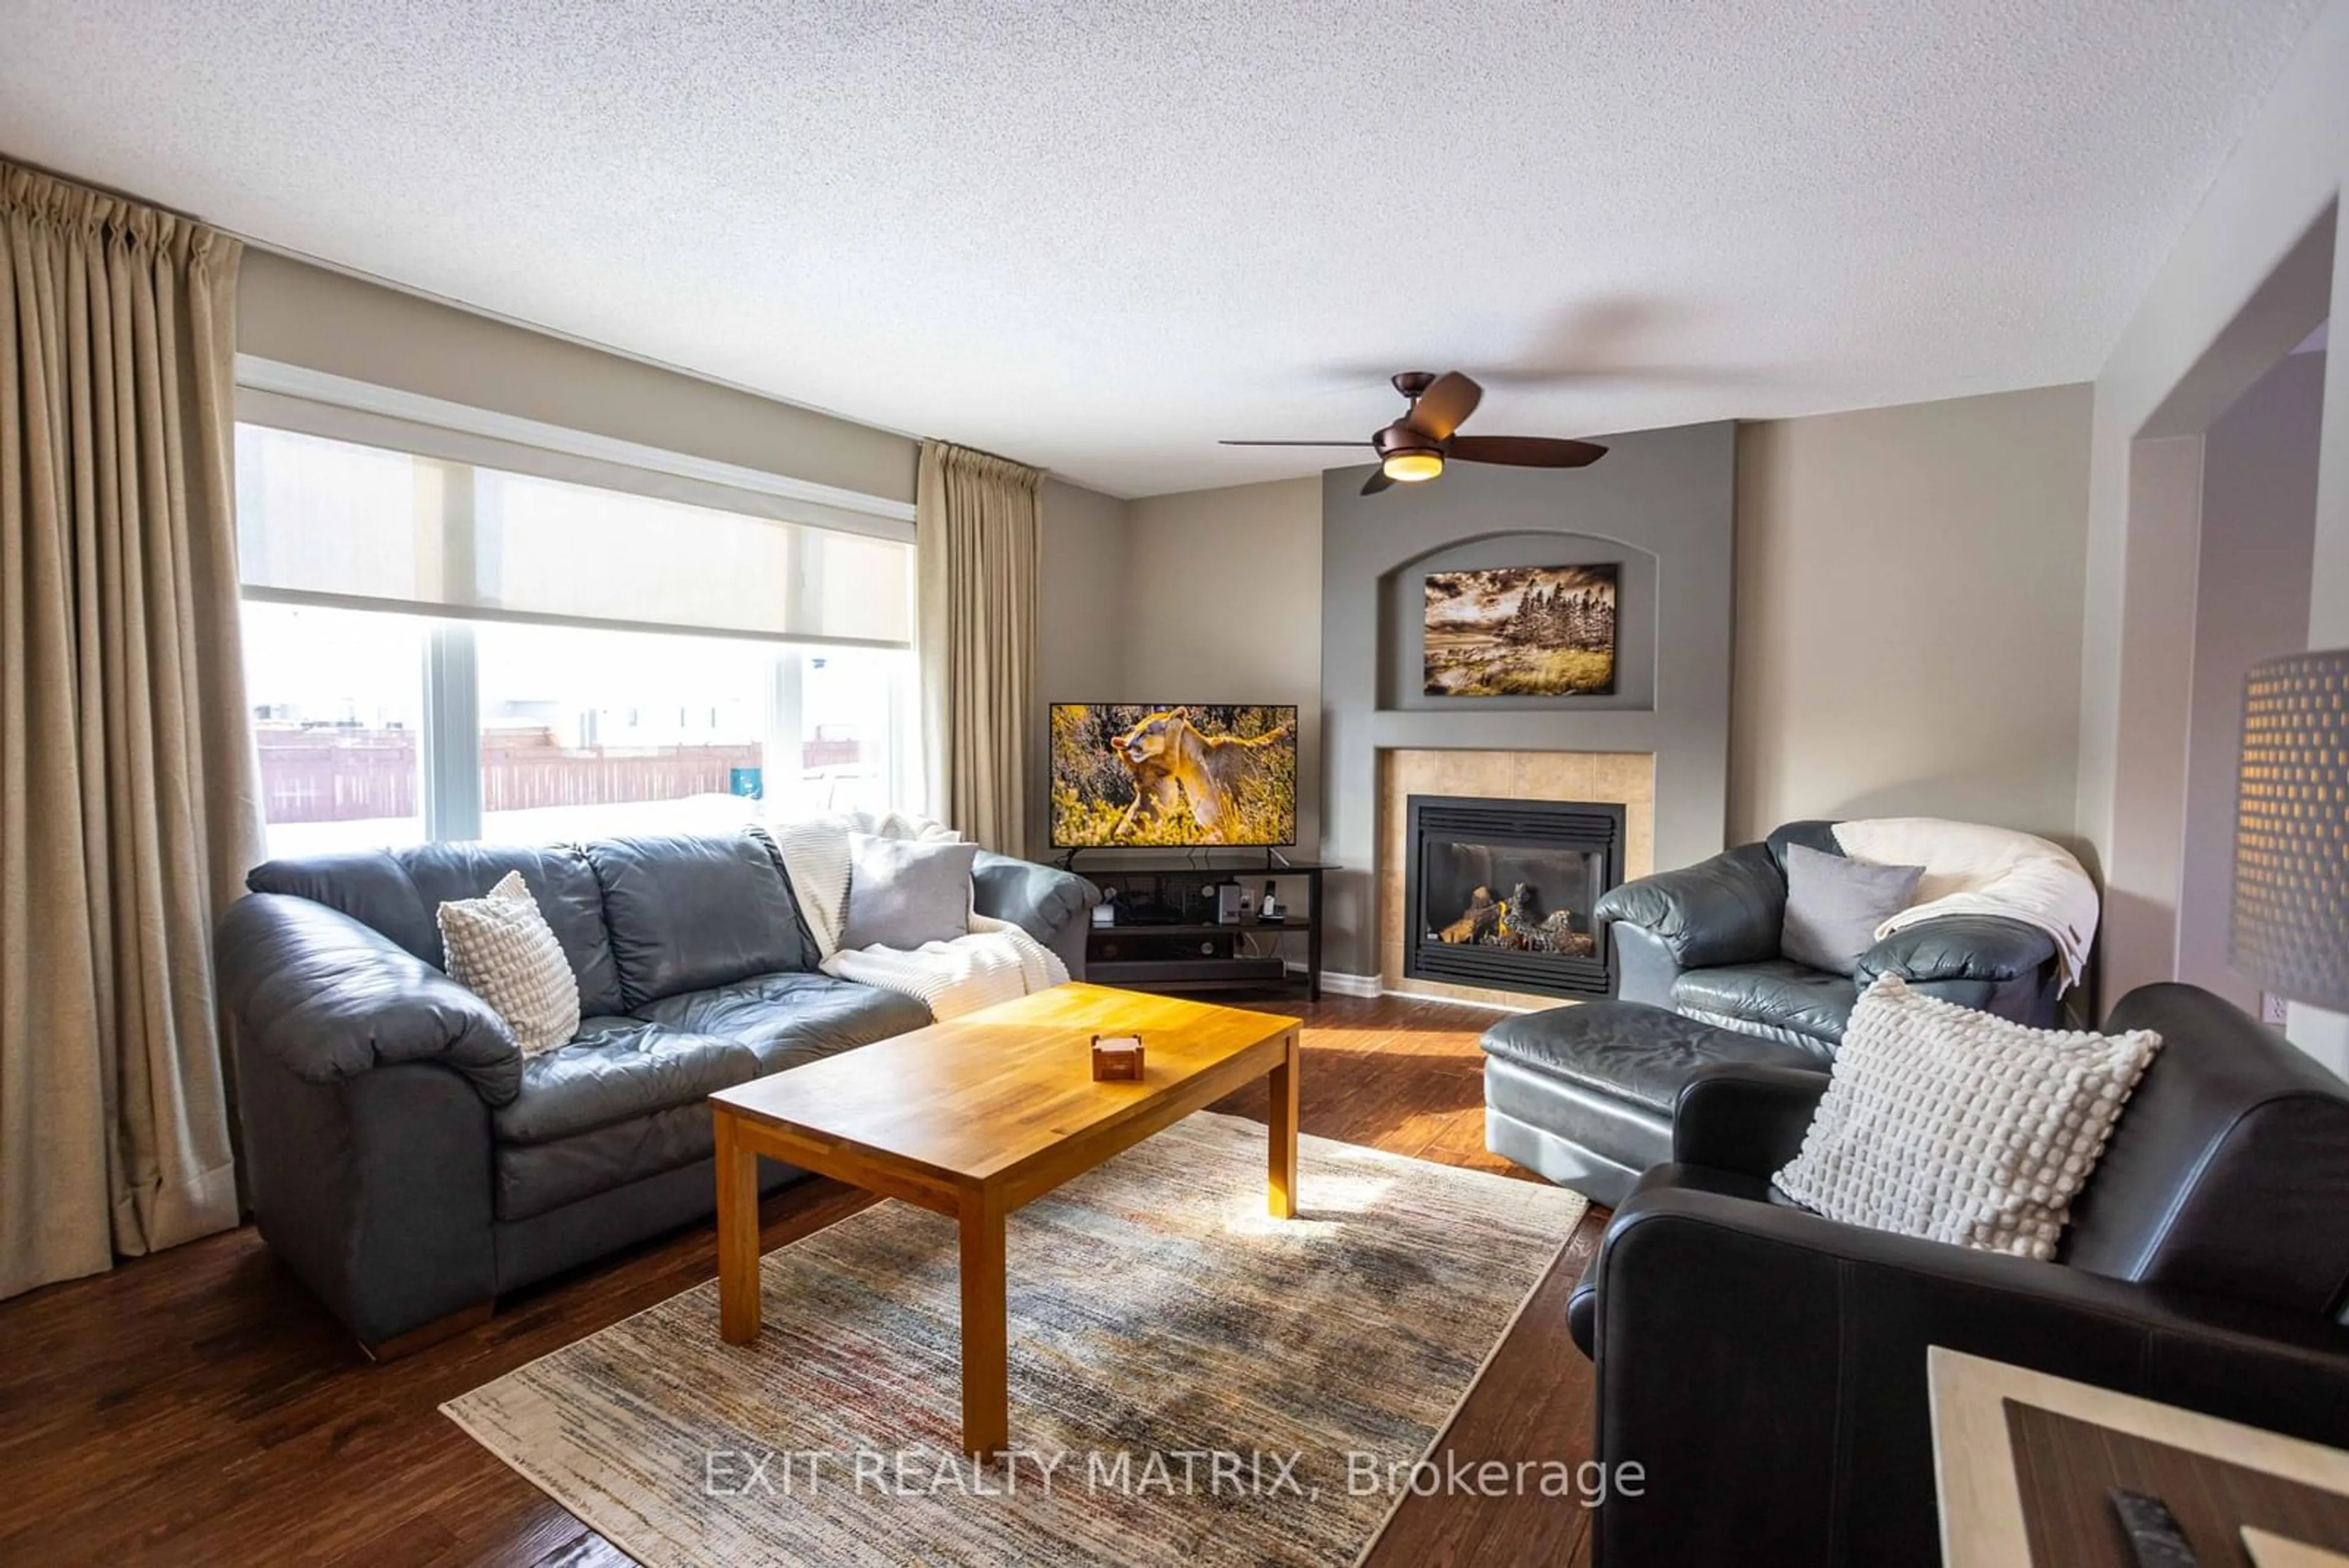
1193, 951
1211, 927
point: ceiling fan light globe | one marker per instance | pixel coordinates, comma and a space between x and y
1412, 467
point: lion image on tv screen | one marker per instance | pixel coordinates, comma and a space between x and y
1193, 774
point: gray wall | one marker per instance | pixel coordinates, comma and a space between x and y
1909, 593
2259, 535
330, 321
1668, 496
1222, 604
1081, 626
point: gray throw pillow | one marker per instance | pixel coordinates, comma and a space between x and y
1834, 904
902, 893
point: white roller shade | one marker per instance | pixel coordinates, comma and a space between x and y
333, 520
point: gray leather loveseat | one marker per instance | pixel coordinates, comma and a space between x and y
1703, 942
407, 1161
1584, 1095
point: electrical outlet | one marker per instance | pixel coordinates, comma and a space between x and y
2272, 1009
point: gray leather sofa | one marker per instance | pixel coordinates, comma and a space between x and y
1703, 941
409, 1165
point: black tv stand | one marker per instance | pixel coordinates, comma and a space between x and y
1274, 861
1192, 950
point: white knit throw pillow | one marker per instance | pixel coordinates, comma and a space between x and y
501, 947
1956, 1126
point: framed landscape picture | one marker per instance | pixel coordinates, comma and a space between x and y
1522, 631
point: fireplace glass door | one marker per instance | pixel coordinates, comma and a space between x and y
1500, 893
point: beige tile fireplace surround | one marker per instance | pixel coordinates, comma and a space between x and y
1624, 778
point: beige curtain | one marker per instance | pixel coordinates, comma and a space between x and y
127, 807
977, 518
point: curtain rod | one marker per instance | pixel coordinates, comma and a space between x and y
117, 192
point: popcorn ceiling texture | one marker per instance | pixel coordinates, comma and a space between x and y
1100, 237
1956, 1126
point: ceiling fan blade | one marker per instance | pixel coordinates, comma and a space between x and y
1444, 406
1525, 451
1292, 443
1377, 482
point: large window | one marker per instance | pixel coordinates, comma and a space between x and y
441, 651
339, 713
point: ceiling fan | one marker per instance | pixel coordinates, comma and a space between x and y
1415, 447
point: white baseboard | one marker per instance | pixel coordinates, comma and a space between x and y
1362, 986
1337, 982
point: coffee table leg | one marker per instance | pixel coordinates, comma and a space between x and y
738, 1236
985, 1372
1281, 1187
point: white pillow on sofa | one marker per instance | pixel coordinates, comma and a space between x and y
501, 948
1958, 1125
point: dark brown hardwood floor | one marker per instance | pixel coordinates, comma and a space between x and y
198, 1407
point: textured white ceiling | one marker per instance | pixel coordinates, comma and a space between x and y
1099, 238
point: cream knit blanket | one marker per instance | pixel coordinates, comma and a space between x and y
1970, 869
996, 962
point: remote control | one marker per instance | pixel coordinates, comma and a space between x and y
2153, 1533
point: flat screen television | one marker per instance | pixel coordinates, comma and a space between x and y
1136, 774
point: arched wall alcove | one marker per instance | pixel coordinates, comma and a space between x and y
1403, 620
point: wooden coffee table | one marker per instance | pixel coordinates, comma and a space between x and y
974, 1118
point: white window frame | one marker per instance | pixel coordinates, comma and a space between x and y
449, 785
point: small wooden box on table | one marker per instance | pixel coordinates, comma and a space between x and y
976, 1117
1117, 1059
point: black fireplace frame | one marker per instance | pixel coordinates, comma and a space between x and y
1511, 823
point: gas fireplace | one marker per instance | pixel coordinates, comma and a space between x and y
1498, 893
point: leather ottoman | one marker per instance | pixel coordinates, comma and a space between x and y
1584, 1094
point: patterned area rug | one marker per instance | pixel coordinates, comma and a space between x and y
1191, 1381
